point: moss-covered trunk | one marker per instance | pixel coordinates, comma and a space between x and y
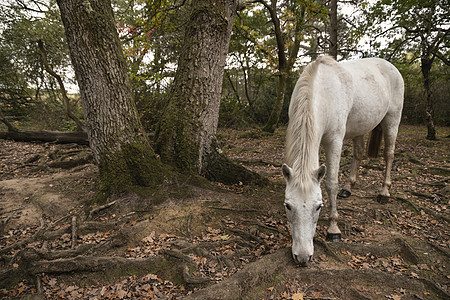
116, 136
189, 123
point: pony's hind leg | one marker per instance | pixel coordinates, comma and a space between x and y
358, 154
390, 135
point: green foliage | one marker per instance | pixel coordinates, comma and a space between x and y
414, 26
414, 104
26, 90
256, 59
151, 33
415, 34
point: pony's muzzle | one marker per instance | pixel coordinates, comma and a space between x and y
301, 260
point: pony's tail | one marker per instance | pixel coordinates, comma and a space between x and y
375, 141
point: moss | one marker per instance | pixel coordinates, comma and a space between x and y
134, 166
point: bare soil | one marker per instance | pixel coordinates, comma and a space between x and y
199, 240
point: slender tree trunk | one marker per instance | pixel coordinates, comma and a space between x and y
117, 139
333, 28
274, 117
186, 132
426, 69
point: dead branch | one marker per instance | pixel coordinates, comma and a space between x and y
63, 137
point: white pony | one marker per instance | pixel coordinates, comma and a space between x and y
331, 102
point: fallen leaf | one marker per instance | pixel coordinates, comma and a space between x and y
297, 296
270, 289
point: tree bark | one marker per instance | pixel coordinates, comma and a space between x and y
117, 139
188, 126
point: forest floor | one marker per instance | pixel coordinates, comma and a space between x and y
193, 239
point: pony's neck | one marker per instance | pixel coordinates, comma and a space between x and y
302, 138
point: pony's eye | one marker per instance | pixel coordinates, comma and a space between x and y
320, 206
288, 207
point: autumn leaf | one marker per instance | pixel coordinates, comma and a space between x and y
297, 296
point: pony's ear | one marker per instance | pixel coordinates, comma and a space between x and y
321, 173
287, 172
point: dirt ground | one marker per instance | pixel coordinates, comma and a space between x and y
198, 240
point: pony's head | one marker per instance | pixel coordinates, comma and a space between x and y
303, 204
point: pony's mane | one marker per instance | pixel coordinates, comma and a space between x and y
301, 133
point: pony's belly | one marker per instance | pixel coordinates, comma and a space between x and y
360, 127
365, 116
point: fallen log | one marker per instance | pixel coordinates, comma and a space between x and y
63, 137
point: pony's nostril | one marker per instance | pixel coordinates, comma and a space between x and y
310, 258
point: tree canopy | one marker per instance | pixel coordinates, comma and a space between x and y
151, 32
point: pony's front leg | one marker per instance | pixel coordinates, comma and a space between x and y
333, 154
358, 154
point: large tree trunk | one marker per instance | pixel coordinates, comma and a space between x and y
187, 130
426, 69
118, 141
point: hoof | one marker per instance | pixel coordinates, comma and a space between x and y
344, 194
382, 199
334, 237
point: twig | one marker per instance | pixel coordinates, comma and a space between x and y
234, 209
189, 226
74, 232
96, 210
39, 284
